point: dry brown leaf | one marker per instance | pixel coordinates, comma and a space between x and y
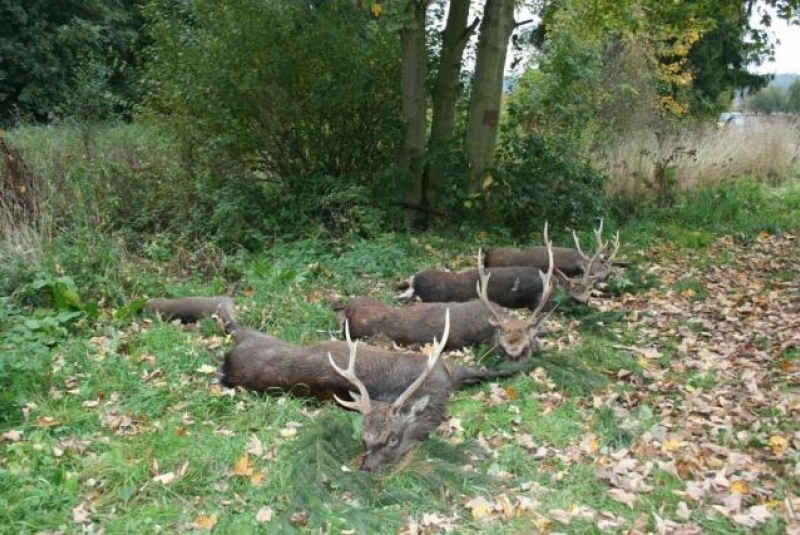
779, 445
46, 421
480, 508
243, 466
206, 521
628, 498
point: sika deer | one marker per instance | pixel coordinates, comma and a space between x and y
188, 309
403, 396
514, 333
474, 322
568, 262
510, 287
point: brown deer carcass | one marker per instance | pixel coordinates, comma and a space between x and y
403, 396
577, 272
510, 287
474, 322
189, 309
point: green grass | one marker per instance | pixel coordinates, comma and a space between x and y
110, 401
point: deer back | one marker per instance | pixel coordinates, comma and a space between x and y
263, 363
568, 261
510, 287
418, 323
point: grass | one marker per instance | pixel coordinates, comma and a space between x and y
111, 419
767, 147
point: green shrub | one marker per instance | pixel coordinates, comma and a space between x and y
536, 181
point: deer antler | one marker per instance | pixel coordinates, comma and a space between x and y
547, 283
362, 404
482, 287
433, 358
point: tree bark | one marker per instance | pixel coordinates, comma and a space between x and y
412, 82
445, 95
487, 90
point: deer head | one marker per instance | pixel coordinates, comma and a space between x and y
391, 429
595, 268
517, 338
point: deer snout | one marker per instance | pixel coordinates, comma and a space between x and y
370, 464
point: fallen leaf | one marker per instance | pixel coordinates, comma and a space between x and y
12, 435
740, 487
758, 514
166, 478
288, 432
628, 498
206, 369
206, 521
46, 421
80, 514
243, 466
778, 444
479, 507
264, 514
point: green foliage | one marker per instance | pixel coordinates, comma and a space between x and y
302, 94
743, 207
56, 57
27, 337
793, 103
769, 100
536, 178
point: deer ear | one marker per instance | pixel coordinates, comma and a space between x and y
419, 405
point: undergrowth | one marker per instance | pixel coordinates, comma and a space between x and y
122, 425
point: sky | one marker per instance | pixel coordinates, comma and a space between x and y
787, 52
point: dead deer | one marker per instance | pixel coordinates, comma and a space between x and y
189, 309
403, 396
587, 270
510, 287
474, 322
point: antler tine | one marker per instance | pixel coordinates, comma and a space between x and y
433, 358
614, 246
482, 287
361, 405
547, 281
578, 245
598, 236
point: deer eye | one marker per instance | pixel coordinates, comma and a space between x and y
393, 440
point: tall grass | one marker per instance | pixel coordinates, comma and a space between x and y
764, 148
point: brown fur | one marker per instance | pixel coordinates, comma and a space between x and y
510, 287
263, 363
418, 323
568, 261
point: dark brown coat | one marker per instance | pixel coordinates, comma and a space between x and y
510, 287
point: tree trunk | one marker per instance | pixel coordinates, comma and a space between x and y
445, 95
487, 89
412, 84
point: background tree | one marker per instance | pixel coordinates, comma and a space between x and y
769, 100
793, 103
50, 50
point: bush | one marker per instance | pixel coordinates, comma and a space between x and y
536, 181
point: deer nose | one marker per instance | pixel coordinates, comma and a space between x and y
369, 465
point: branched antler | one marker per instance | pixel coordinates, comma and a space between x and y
482, 287
547, 283
433, 358
362, 402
